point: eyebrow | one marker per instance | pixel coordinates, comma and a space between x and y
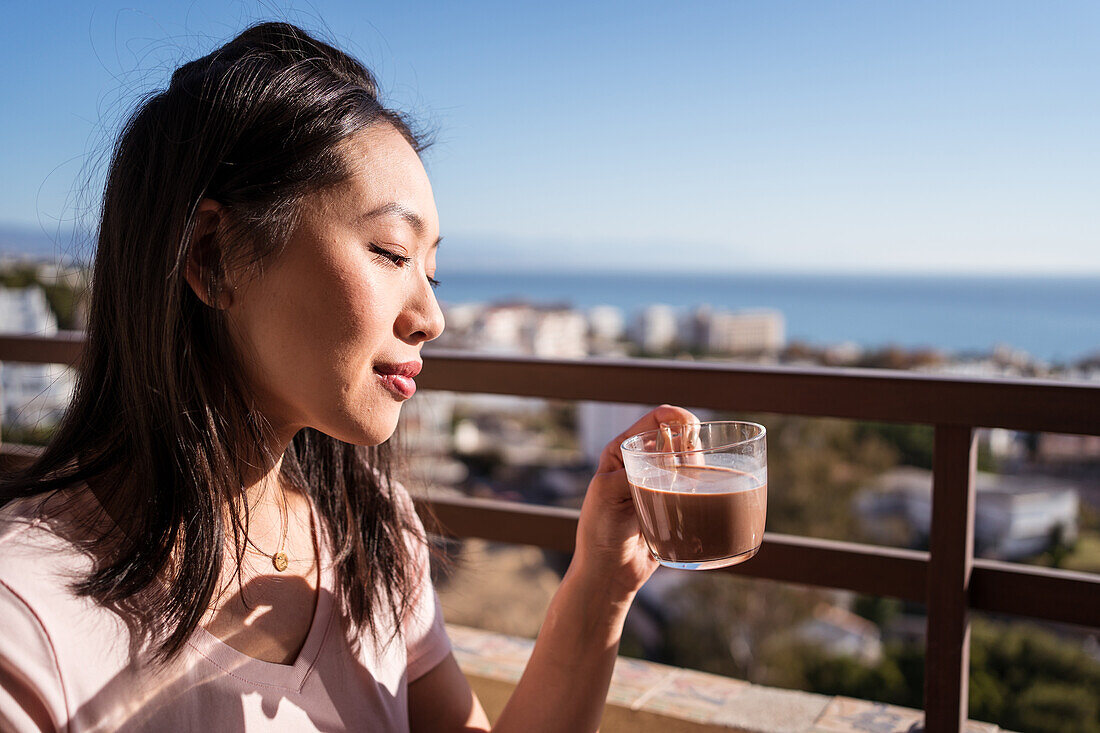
394, 208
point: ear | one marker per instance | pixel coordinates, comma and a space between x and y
203, 270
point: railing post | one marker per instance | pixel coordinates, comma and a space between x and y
951, 542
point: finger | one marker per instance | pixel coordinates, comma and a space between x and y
693, 444
666, 444
653, 419
681, 439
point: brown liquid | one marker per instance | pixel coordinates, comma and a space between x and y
723, 517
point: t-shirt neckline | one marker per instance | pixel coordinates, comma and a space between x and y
257, 671
270, 674
273, 674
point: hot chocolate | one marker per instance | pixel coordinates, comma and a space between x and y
708, 514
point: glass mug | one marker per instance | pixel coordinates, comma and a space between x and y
701, 491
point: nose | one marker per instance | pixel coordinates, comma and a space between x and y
421, 319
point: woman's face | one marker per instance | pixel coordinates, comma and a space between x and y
331, 329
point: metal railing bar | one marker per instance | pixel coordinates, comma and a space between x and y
551, 528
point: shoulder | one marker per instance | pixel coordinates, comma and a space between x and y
32, 694
42, 558
37, 545
33, 557
422, 628
52, 638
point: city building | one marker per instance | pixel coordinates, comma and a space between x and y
745, 332
517, 328
33, 395
499, 330
605, 324
1016, 517
655, 329
558, 333
599, 422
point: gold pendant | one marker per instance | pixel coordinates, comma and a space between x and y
279, 561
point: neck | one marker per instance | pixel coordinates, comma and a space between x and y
264, 494
263, 486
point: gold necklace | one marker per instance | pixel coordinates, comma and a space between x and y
279, 560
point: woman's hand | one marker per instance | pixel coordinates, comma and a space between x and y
610, 546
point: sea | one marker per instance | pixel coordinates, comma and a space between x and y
1054, 319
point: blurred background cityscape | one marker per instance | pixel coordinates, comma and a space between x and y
841, 185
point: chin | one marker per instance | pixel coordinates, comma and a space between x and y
377, 429
359, 419
378, 437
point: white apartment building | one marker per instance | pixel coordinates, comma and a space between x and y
1015, 516
499, 330
605, 323
525, 329
32, 394
558, 334
723, 332
655, 329
599, 422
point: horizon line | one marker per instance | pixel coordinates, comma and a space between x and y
528, 266
765, 270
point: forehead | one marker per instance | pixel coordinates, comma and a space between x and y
384, 169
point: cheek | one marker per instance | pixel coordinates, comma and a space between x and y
313, 334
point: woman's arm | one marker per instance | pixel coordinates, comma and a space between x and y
565, 683
442, 700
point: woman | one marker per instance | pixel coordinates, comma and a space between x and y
212, 539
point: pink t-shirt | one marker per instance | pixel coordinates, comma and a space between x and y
65, 662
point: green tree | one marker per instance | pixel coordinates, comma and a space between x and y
1057, 706
879, 611
28, 435
19, 277
63, 302
833, 675
913, 443
1045, 683
62, 299
815, 466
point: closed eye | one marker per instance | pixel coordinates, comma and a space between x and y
399, 260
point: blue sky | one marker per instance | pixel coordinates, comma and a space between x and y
867, 136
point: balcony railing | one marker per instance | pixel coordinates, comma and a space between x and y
946, 578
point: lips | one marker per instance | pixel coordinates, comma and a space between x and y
398, 378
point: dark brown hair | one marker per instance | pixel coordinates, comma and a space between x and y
161, 415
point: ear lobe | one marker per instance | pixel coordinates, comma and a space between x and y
203, 270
